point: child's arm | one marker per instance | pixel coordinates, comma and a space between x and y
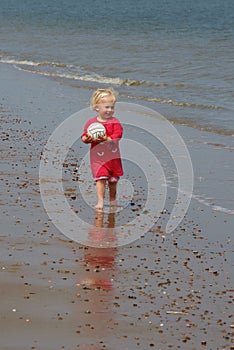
115, 135
117, 131
85, 137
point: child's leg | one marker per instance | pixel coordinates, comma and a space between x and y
112, 192
100, 190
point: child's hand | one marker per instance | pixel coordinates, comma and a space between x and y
87, 139
102, 138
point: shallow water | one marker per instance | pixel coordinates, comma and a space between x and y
162, 291
176, 55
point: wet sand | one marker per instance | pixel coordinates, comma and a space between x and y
162, 291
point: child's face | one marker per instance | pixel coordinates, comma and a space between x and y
106, 107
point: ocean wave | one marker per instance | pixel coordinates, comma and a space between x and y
89, 78
177, 103
70, 72
190, 122
83, 77
34, 64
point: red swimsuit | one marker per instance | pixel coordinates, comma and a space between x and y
105, 156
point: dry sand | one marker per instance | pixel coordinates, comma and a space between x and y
161, 292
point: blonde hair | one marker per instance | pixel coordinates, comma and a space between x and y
101, 93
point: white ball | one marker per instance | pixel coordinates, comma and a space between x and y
96, 130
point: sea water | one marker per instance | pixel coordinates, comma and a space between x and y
175, 55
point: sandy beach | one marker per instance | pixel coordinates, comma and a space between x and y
160, 292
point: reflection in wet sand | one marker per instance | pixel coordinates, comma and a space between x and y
96, 290
101, 260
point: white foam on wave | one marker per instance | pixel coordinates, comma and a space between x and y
207, 202
33, 63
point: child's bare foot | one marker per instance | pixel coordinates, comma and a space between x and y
113, 203
113, 206
99, 207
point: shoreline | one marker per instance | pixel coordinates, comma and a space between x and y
166, 106
156, 292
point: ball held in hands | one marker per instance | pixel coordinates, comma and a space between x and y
96, 131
